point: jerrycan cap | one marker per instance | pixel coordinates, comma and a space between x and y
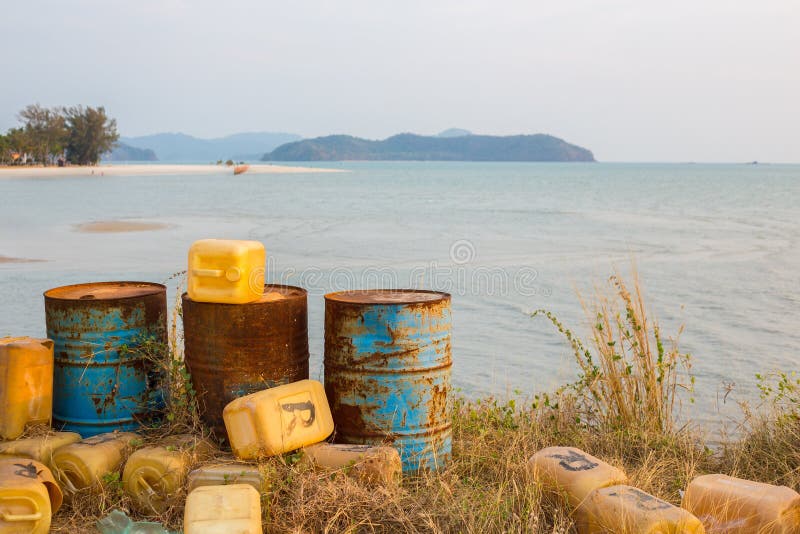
233, 274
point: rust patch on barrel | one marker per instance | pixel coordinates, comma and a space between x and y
234, 350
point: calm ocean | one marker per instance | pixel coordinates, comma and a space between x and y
716, 248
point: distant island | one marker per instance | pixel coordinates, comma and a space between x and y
186, 148
450, 145
453, 144
123, 152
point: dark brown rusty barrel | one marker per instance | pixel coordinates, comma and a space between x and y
233, 350
106, 336
387, 371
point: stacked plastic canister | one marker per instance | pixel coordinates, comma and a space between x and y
241, 336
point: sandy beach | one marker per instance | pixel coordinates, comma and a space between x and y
149, 170
111, 227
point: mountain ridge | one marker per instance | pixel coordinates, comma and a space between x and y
178, 146
454, 132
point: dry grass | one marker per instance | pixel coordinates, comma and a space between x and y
622, 409
484, 489
769, 451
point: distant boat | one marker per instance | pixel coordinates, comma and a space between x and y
239, 169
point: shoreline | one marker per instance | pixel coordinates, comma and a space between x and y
151, 170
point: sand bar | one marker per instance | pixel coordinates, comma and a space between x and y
7, 259
150, 170
109, 227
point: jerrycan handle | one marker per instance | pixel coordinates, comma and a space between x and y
209, 273
232, 273
21, 517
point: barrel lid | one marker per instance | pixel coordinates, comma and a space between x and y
279, 292
21, 340
105, 291
388, 296
272, 293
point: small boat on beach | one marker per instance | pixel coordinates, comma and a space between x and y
240, 169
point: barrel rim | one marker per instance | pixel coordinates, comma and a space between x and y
339, 296
303, 295
157, 289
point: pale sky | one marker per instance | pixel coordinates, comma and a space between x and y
639, 80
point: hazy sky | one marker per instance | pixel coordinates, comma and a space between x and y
639, 80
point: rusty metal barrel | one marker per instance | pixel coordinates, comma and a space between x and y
107, 337
387, 371
233, 350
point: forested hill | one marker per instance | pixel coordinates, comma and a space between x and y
538, 147
123, 152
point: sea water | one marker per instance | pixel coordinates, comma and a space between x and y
716, 248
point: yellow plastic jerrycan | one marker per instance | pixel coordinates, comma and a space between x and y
26, 384
367, 462
628, 510
40, 448
83, 464
223, 510
154, 476
572, 472
278, 420
736, 506
226, 271
226, 474
28, 496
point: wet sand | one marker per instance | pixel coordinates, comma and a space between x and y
150, 170
7, 259
103, 227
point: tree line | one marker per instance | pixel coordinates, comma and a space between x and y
47, 136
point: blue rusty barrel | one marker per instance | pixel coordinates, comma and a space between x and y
387, 371
106, 336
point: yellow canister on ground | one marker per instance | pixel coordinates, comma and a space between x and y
736, 506
83, 464
154, 476
26, 384
28, 496
628, 510
226, 474
572, 472
278, 420
223, 510
367, 462
226, 271
40, 448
